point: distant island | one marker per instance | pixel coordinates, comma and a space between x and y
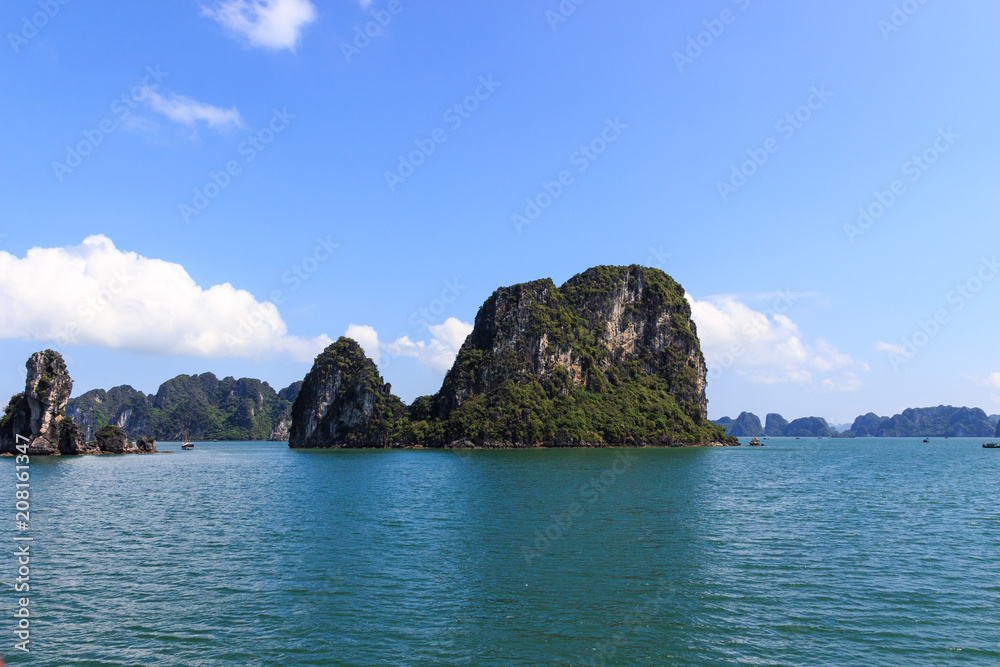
191, 407
609, 358
939, 422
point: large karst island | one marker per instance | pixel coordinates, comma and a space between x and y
610, 358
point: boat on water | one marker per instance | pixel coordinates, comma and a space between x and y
927, 439
754, 442
187, 445
991, 445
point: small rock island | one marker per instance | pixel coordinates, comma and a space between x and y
610, 358
38, 415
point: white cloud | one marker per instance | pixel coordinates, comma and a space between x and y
272, 24
993, 380
95, 294
367, 338
438, 353
768, 348
181, 109
892, 349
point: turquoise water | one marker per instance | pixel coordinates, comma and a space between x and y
804, 552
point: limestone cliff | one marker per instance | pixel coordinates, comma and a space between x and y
343, 402
38, 414
611, 357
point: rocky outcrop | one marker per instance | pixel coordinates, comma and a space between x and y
145, 445
808, 427
942, 421
112, 440
611, 357
38, 414
343, 402
201, 406
867, 425
747, 425
775, 425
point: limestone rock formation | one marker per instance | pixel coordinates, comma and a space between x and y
774, 424
38, 414
747, 425
343, 402
611, 357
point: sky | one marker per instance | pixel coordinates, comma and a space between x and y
228, 185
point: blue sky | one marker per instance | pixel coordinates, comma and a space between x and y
235, 210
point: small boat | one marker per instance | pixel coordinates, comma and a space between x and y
754, 442
991, 445
927, 439
187, 445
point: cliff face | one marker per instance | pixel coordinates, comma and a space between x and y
343, 402
808, 427
604, 319
745, 426
775, 424
38, 414
944, 420
609, 358
200, 407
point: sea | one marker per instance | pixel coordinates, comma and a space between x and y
802, 552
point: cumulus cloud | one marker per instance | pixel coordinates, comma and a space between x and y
367, 338
181, 109
96, 294
767, 347
437, 354
892, 349
271, 24
993, 380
